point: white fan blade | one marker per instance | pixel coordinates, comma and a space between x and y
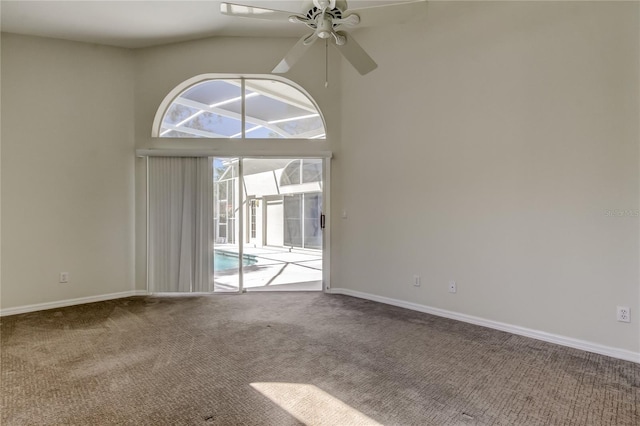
390, 14
255, 12
356, 55
295, 54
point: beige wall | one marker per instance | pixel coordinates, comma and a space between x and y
67, 170
493, 141
487, 149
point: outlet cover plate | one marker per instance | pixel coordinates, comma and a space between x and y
623, 314
416, 281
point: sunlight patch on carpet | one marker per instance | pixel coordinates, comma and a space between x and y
311, 405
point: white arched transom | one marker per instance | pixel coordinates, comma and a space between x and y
239, 107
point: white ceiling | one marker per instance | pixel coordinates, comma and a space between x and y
134, 24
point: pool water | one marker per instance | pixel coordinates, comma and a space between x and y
224, 260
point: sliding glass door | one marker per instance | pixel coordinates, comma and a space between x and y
267, 224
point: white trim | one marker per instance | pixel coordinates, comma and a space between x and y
187, 84
326, 233
514, 329
240, 224
170, 152
70, 302
146, 218
243, 109
178, 294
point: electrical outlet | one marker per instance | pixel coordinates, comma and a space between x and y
64, 277
623, 314
453, 288
416, 281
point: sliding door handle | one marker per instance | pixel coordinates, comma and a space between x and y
322, 221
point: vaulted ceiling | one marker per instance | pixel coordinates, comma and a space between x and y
135, 24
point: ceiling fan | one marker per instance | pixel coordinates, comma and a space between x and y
326, 18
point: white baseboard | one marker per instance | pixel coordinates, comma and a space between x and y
514, 329
69, 302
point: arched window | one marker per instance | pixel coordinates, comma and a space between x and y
242, 108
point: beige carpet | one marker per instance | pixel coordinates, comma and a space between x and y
295, 358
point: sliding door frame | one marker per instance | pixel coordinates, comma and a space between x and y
325, 156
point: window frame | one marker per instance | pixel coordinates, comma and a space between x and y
199, 79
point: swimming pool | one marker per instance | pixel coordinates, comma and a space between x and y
226, 260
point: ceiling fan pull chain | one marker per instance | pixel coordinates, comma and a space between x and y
326, 63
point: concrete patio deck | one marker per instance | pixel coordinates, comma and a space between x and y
276, 269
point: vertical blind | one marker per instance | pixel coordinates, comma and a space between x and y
180, 226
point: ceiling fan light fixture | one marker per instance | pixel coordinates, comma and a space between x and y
340, 39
